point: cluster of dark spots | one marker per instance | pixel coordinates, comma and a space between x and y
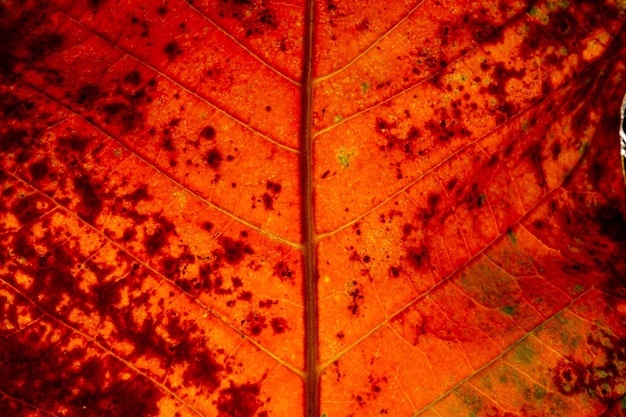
29, 207
444, 127
472, 195
239, 401
340, 335
172, 50
417, 257
140, 194
38, 170
405, 142
424, 214
163, 229
394, 271
255, 322
174, 267
245, 296
357, 300
282, 271
72, 145
133, 78
44, 45
376, 385
182, 346
91, 197
126, 206
145, 28
204, 278
611, 222
279, 325
481, 29
273, 187
233, 251
16, 141
267, 198
214, 158
87, 94
20, 42
254, 16
600, 377
363, 25
63, 375
267, 303
534, 154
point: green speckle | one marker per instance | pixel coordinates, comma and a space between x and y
365, 87
578, 288
508, 310
117, 152
482, 199
599, 373
344, 156
539, 391
623, 403
511, 236
324, 415
524, 354
337, 119
583, 147
559, 4
539, 15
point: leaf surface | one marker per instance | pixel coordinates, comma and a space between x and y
231, 209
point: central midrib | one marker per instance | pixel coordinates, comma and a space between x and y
308, 232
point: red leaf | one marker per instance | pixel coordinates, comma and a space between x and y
245, 208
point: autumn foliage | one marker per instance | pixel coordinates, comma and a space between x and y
260, 208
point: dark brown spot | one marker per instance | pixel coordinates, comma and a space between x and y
214, 158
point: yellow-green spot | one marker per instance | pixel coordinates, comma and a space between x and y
524, 354
324, 415
623, 403
578, 288
474, 402
117, 152
481, 200
344, 156
365, 87
568, 340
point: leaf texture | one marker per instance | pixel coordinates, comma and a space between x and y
258, 208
